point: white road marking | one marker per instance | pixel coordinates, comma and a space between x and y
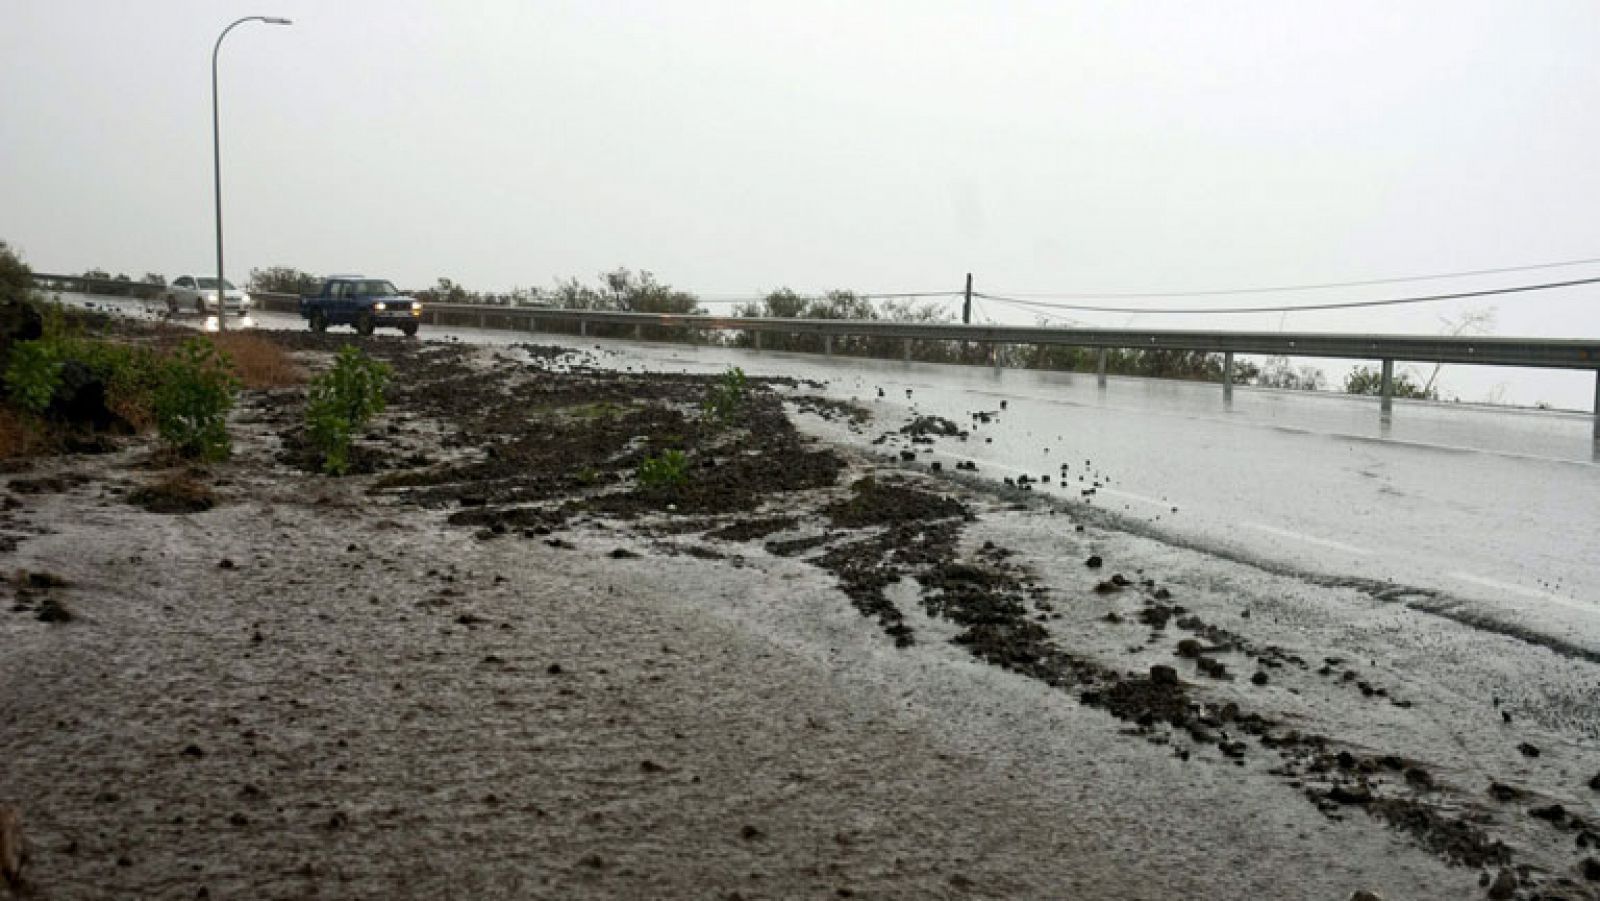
1308, 539
1118, 492
1532, 593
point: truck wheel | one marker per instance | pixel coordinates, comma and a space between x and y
410, 329
364, 324
200, 305
319, 321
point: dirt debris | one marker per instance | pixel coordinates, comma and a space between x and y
561, 447
175, 493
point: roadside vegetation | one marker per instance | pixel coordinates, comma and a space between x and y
1368, 381
727, 397
72, 382
340, 402
258, 361
193, 391
281, 280
666, 471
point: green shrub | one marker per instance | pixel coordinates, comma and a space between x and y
57, 323
1362, 380
669, 470
341, 400
133, 375
728, 395
16, 279
195, 390
33, 374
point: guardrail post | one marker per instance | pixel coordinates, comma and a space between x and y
908, 350
755, 339
994, 350
1386, 387
1597, 406
827, 345
1227, 376
1100, 368
638, 331
583, 328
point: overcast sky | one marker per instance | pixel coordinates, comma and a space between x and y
880, 145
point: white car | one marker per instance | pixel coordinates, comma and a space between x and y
199, 294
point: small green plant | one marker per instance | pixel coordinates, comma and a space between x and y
728, 394
342, 400
195, 390
33, 374
669, 470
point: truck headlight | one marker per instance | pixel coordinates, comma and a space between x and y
380, 306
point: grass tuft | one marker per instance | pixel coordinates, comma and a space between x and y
22, 436
259, 362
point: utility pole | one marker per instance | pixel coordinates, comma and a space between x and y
966, 317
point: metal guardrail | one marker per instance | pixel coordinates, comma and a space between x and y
85, 284
1488, 351
1536, 353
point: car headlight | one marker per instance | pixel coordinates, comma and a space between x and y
380, 306
244, 300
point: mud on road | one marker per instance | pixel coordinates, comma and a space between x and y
532, 453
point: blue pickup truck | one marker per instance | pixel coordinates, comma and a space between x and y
366, 303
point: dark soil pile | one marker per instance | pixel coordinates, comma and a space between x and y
174, 494
546, 438
875, 502
924, 429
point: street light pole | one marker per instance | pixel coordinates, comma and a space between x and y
216, 158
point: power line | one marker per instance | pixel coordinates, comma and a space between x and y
725, 300
1047, 317
1345, 305
1311, 287
871, 295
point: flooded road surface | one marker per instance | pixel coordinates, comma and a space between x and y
1422, 592
1484, 515
1491, 513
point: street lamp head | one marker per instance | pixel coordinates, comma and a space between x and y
274, 20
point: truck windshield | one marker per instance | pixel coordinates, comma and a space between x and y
372, 288
210, 284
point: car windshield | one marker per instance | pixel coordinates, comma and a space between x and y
372, 288
210, 284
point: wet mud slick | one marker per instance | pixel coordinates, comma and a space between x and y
574, 632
